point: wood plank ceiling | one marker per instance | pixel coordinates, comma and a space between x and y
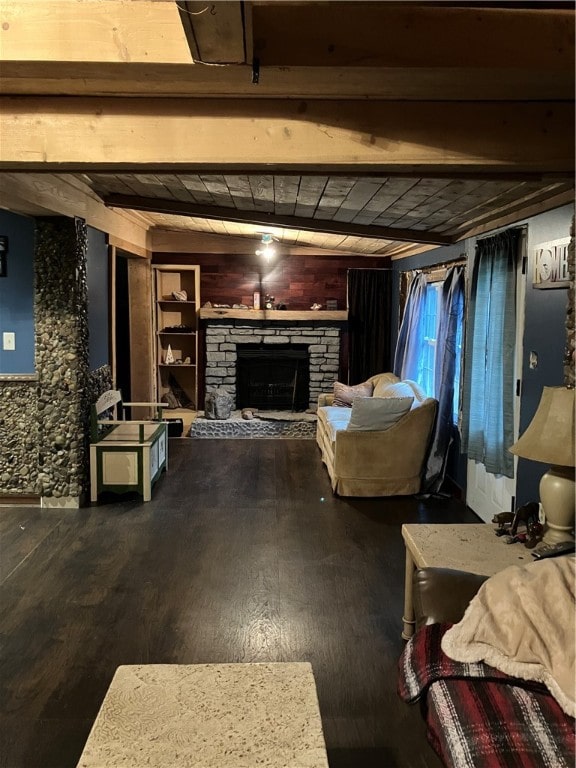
483, 137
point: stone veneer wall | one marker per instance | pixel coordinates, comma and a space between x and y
19, 438
221, 340
570, 355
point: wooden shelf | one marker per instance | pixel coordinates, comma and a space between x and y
176, 329
173, 301
274, 315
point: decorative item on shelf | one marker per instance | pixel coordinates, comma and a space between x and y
180, 295
207, 305
549, 438
256, 299
281, 305
169, 357
316, 306
332, 304
240, 306
268, 302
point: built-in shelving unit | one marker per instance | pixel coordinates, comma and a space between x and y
176, 303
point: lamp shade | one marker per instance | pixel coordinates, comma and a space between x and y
550, 435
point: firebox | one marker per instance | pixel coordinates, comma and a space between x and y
272, 376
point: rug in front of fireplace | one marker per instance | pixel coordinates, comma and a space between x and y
300, 426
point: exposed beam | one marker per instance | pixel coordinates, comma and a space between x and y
123, 134
388, 34
48, 194
447, 83
260, 218
215, 31
92, 30
287, 34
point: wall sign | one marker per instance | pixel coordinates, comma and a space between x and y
551, 264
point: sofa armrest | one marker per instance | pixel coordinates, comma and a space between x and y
325, 398
441, 595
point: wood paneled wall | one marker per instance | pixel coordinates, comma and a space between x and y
296, 281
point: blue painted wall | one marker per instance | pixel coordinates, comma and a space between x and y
17, 294
544, 334
98, 303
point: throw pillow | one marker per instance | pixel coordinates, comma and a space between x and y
344, 394
522, 623
378, 413
399, 389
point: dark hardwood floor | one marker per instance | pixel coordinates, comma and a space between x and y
242, 555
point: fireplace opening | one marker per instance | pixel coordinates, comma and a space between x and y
273, 377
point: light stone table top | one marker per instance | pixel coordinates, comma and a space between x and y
474, 548
208, 716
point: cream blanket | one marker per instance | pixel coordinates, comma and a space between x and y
523, 622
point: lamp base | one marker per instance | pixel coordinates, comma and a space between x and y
557, 494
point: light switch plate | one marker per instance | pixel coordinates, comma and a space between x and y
8, 340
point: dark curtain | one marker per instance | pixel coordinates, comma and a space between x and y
488, 393
369, 308
451, 311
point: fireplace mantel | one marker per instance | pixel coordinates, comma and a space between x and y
275, 315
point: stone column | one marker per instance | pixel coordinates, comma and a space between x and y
570, 354
62, 360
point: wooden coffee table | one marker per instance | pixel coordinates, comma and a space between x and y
474, 548
208, 716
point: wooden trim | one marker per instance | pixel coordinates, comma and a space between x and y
131, 248
276, 315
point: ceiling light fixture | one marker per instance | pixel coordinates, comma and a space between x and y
268, 250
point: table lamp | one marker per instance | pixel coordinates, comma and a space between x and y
550, 438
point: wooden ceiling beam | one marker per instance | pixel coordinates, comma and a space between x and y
135, 134
294, 34
388, 34
48, 194
58, 78
216, 32
261, 218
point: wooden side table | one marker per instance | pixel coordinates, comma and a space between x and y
467, 547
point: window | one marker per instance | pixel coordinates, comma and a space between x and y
429, 338
426, 375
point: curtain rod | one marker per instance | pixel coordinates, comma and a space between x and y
521, 227
437, 267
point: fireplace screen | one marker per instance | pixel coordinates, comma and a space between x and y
272, 376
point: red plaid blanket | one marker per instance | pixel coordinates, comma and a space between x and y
478, 717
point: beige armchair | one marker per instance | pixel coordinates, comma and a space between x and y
376, 462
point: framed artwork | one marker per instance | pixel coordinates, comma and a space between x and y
551, 264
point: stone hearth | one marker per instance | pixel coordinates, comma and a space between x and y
223, 338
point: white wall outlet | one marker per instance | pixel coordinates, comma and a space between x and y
9, 340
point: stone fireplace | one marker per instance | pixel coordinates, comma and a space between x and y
315, 342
